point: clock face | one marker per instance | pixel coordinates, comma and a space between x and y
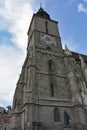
47, 39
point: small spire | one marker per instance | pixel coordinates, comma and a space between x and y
67, 51
42, 13
41, 9
40, 5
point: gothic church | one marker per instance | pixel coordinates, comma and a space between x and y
51, 92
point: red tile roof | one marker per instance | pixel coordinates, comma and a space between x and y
4, 118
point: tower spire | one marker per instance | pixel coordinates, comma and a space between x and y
42, 13
40, 5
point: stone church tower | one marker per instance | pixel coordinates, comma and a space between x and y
51, 92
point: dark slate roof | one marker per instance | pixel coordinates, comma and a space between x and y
42, 13
76, 56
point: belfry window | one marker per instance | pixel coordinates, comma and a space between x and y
46, 26
51, 90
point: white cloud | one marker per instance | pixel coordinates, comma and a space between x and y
81, 8
10, 62
17, 15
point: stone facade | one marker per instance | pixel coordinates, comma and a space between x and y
51, 82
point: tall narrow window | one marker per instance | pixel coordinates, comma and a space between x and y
5, 128
56, 114
46, 25
51, 90
50, 65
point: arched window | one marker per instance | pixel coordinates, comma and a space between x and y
51, 66
56, 114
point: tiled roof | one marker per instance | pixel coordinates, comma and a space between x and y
4, 118
76, 56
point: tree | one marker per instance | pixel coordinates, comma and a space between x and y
8, 108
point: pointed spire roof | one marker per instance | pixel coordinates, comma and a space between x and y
67, 51
42, 13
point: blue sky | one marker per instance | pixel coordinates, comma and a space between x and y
15, 17
72, 18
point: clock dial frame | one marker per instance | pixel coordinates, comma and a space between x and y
47, 39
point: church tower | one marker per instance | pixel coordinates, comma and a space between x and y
47, 96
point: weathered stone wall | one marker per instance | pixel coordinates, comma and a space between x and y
51, 82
